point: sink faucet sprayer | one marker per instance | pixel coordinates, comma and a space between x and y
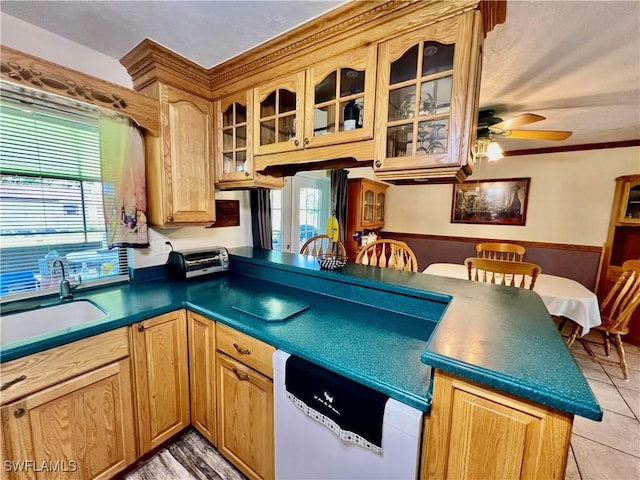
65, 287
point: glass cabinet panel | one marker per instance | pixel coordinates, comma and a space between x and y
632, 209
380, 207
419, 106
234, 139
368, 204
278, 117
339, 101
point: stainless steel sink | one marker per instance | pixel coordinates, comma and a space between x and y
32, 323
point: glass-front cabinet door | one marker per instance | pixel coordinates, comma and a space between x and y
368, 205
279, 115
380, 207
339, 98
425, 92
233, 146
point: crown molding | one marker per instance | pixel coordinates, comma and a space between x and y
149, 62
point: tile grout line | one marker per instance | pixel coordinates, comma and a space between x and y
605, 445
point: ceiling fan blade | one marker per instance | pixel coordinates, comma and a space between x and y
519, 121
538, 134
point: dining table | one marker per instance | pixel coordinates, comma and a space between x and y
562, 296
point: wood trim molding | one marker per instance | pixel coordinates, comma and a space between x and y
573, 148
33, 72
346, 21
149, 62
557, 246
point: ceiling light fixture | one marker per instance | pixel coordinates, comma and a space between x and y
488, 149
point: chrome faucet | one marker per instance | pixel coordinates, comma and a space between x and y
65, 287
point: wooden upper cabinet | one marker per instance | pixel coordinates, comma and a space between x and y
427, 101
279, 115
234, 145
180, 168
342, 84
630, 206
307, 109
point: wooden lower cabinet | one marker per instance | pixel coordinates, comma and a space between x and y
245, 417
79, 428
160, 365
202, 386
473, 432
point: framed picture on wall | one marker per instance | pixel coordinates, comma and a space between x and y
501, 201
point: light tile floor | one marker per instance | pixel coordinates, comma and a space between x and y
609, 449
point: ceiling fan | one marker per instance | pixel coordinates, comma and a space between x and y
490, 127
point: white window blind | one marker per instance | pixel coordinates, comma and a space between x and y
51, 200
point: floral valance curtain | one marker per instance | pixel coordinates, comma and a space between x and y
124, 188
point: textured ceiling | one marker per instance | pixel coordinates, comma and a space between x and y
576, 63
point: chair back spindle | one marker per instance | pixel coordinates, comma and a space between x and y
500, 251
502, 272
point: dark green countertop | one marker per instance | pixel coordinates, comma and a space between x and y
383, 328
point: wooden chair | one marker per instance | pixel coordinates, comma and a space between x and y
502, 272
500, 251
388, 253
616, 311
321, 244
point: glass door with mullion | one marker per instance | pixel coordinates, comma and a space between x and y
418, 85
234, 157
339, 99
279, 115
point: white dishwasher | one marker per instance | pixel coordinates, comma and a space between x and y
306, 449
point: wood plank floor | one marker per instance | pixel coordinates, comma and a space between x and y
189, 457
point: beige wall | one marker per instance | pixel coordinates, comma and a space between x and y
35, 41
570, 198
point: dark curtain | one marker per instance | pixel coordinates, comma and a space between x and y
261, 218
339, 200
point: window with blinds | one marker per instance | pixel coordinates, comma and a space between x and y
51, 201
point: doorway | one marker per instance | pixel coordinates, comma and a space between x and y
300, 210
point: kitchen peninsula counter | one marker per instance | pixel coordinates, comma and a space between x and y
383, 328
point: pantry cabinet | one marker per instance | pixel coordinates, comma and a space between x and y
523, 442
160, 366
70, 408
245, 402
179, 163
235, 167
428, 86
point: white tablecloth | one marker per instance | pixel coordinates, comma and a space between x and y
562, 296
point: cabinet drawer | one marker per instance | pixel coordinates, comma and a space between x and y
44, 369
246, 349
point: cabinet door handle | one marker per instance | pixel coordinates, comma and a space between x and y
240, 375
19, 412
243, 351
378, 163
141, 328
11, 383
296, 142
246, 174
170, 218
306, 140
